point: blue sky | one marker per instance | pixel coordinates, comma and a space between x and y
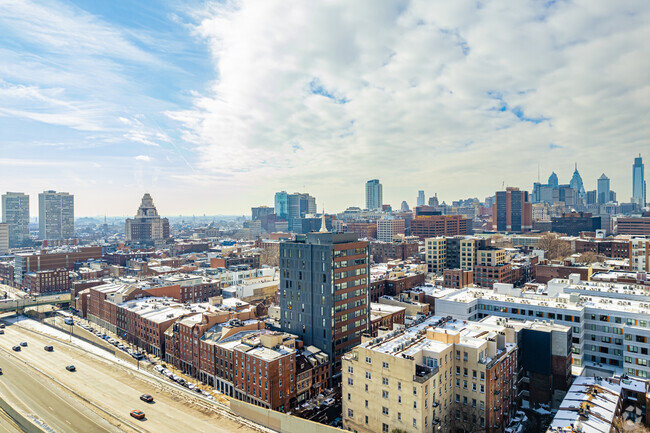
214, 106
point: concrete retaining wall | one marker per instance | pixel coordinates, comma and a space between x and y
278, 421
25, 424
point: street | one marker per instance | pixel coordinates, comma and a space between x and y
98, 389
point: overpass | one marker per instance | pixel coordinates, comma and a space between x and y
34, 301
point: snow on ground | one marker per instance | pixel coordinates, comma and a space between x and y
41, 328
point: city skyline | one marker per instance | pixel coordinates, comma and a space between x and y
198, 106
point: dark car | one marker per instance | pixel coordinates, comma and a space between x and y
49, 348
16, 348
2, 326
70, 368
23, 343
2, 331
146, 398
137, 414
0, 371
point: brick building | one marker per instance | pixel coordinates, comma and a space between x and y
613, 248
429, 226
384, 251
48, 281
25, 263
457, 278
363, 229
633, 226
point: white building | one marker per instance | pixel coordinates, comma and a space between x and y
610, 325
388, 228
4, 238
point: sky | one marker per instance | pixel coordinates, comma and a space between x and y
212, 107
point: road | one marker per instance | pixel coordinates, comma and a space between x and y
97, 382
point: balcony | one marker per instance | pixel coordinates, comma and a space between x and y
424, 373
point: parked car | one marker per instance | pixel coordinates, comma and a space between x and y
16, 348
49, 348
158, 368
191, 386
137, 414
23, 343
146, 398
70, 367
68, 321
120, 346
2, 326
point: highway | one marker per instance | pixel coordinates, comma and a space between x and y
98, 396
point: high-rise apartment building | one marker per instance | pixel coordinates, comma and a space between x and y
638, 182
15, 212
4, 238
387, 228
512, 211
458, 252
428, 226
293, 206
420, 198
55, 215
324, 291
147, 227
603, 189
374, 194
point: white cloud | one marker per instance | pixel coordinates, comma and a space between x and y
445, 96
145, 158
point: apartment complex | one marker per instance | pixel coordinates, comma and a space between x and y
324, 291
633, 226
48, 281
388, 228
374, 194
429, 226
55, 215
640, 254
610, 321
458, 252
15, 212
435, 376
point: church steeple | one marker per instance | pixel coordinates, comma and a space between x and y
323, 225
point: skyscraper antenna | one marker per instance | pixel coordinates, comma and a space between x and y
538, 176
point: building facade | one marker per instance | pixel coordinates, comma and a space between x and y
324, 291
512, 211
388, 228
4, 238
374, 194
55, 215
15, 212
429, 226
638, 182
147, 227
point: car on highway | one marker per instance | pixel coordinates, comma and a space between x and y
16, 348
0, 371
70, 367
23, 343
137, 414
146, 398
2, 331
49, 348
2, 326
158, 368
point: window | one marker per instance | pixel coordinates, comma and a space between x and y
482, 375
399, 386
350, 369
384, 410
368, 360
415, 422
384, 428
384, 394
482, 389
415, 391
399, 399
415, 404
350, 381
366, 419
366, 403
368, 375
384, 381
350, 413
384, 364
399, 416
349, 398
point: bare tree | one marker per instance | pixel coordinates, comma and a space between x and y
590, 257
465, 418
555, 248
621, 426
270, 257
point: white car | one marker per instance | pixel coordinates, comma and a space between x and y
158, 368
191, 386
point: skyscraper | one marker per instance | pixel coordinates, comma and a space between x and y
281, 208
638, 182
553, 182
420, 198
324, 291
576, 182
147, 227
15, 212
603, 189
55, 215
374, 194
4, 238
512, 211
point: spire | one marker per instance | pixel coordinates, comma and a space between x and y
323, 226
576, 165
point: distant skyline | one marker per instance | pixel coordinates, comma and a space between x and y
212, 107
